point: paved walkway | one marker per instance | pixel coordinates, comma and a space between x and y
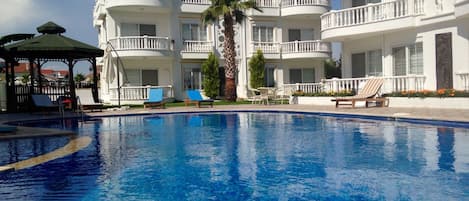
419, 113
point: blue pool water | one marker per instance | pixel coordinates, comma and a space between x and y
243, 156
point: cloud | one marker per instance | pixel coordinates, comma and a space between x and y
22, 15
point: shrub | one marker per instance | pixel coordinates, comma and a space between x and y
256, 70
211, 80
428, 93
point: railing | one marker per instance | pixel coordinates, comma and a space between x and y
140, 42
372, 13
266, 47
268, 3
305, 46
201, 2
465, 80
290, 3
197, 46
139, 93
391, 84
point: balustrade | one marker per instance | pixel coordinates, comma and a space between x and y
391, 84
197, 46
140, 42
305, 46
138, 93
372, 13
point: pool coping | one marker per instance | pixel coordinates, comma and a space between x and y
394, 117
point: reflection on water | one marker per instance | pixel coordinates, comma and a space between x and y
246, 156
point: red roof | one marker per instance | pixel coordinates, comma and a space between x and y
24, 68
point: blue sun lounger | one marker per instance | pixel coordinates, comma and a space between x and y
7, 129
194, 96
155, 99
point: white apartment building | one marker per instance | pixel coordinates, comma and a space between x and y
427, 40
164, 43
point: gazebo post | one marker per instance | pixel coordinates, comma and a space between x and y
95, 80
39, 66
31, 75
11, 91
73, 94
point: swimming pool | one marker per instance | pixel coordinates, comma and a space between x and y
243, 156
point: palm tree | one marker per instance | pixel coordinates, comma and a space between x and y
231, 12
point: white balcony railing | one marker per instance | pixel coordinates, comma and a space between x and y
140, 43
464, 78
372, 13
305, 46
291, 3
268, 3
266, 47
200, 2
391, 84
197, 46
139, 93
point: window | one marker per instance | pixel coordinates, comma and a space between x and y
368, 63
408, 59
128, 29
192, 76
142, 77
150, 77
300, 34
375, 63
194, 32
356, 3
263, 34
305, 75
269, 77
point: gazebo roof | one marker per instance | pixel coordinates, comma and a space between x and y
52, 45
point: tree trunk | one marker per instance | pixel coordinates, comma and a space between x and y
229, 53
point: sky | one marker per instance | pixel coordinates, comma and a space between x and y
76, 16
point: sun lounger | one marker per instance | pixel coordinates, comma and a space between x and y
7, 129
86, 101
367, 94
155, 99
194, 96
43, 102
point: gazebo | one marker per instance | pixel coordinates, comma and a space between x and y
51, 45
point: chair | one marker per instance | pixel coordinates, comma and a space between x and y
367, 94
255, 96
86, 101
266, 94
7, 129
194, 96
155, 99
283, 94
43, 102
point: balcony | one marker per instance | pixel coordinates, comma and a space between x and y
461, 8
134, 46
268, 7
371, 18
293, 50
194, 6
99, 12
151, 6
271, 50
196, 49
137, 94
305, 49
304, 7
